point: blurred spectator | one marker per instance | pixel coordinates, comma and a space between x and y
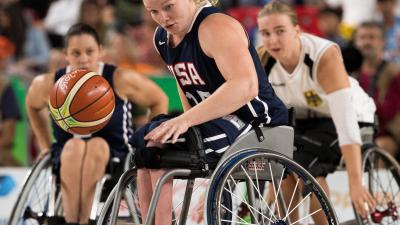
9, 110
13, 26
354, 11
381, 80
247, 16
121, 51
391, 24
141, 31
32, 47
307, 16
39, 7
329, 22
91, 13
61, 15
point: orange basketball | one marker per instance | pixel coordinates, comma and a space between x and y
81, 102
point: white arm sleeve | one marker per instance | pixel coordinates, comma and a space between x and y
344, 116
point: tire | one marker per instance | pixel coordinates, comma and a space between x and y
32, 204
240, 168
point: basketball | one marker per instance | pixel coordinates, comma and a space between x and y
81, 102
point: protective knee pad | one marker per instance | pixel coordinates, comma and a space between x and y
148, 157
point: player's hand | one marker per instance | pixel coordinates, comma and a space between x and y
361, 199
170, 129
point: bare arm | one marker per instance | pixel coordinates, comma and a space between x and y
36, 107
233, 59
332, 77
142, 91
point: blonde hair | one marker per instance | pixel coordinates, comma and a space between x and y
202, 2
279, 7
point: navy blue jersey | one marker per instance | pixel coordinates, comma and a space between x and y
116, 132
198, 75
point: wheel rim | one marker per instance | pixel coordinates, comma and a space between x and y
268, 208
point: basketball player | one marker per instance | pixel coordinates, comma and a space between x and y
82, 161
221, 83
307, 73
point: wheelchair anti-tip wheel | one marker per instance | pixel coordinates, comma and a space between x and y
239, 191
382, 177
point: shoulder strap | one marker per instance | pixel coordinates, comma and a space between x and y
308, 61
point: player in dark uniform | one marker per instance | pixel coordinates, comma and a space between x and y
222, 86
82, 160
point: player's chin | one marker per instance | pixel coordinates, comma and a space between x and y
173, 29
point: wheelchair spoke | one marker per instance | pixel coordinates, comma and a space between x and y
306, 216
260, 199
300, 203
245, 223
258, 190
291, 198
194, 190
225, 208
251, 208
243, 199
276, 192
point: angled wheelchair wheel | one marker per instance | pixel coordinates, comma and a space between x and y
32, 204
128, 211
382, 177
240, 191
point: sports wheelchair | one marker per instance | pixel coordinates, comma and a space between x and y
257, 161
39, 201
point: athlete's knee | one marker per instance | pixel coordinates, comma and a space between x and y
73, 150
97, 150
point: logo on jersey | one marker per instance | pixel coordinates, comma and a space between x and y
312, 98
186, 74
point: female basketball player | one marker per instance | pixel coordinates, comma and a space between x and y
307, 73
83, 160
221, 83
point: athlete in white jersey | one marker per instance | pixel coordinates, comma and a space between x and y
310, 100
308, 74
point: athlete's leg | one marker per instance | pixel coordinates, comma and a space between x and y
94, 165
70, 176
164, 207
145, 190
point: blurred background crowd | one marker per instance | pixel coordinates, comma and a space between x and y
368, 31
